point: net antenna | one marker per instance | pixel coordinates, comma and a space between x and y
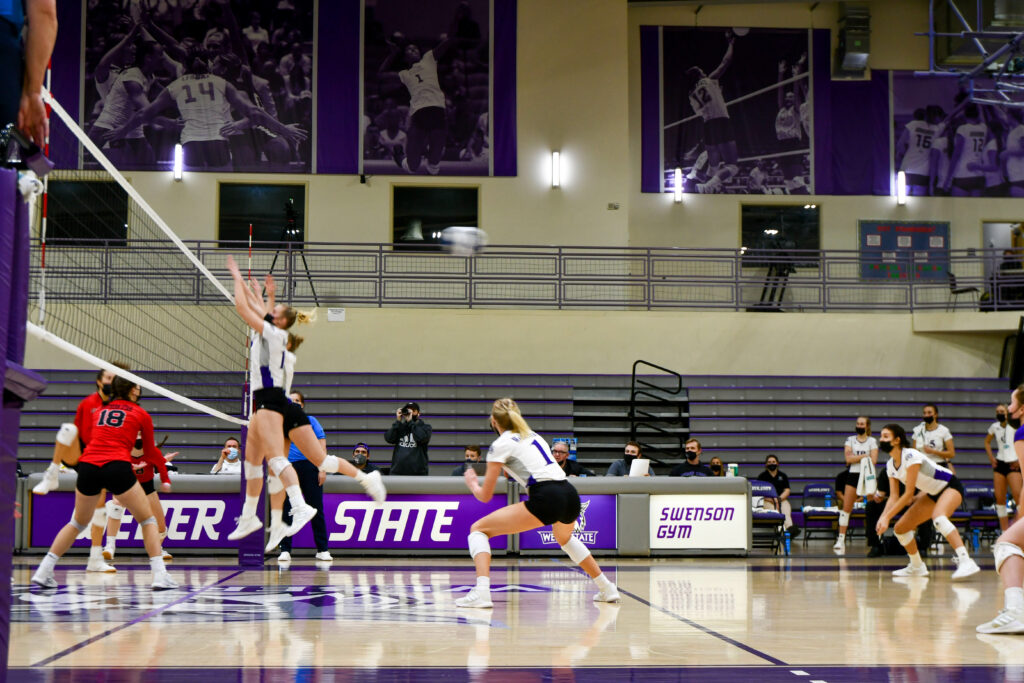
112, 281
989, 60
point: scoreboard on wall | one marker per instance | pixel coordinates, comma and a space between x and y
904, 250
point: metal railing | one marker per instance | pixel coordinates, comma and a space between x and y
536, 277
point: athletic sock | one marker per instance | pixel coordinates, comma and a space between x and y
961, 553
841, 538
360, 475
53, 467
50, 561
295, 496
249, 509
483, 584
1013, 598
602, 582
276, 517
95, 553
915, 560
156, 563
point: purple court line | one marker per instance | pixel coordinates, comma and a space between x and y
136, 620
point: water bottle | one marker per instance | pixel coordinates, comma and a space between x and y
787, 542
976, 539
828, 500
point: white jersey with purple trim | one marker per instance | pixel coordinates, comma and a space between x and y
707, 100
932, 477
920, 140
421, 80
933, 438
1015, 164
860, 448
118, 105
1003, 437
203, 105
527, 459
289, 370
268, 358
975, 137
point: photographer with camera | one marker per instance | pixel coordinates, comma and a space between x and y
410, 435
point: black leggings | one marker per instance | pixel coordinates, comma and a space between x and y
313, 492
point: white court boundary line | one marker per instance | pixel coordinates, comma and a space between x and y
741, 98
50, 338
132, 192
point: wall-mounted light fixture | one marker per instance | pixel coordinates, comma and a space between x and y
677, 186
179, 161
901, 188
556, 169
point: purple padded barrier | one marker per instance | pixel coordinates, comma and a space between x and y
650, 110
65, 81
503, 87
337, 89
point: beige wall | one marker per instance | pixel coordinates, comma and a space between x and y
481, 341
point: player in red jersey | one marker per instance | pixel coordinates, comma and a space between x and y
106, 465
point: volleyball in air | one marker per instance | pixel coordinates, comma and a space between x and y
460, 240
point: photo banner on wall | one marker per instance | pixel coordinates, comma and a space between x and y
948, 146
735, 108
435, 89
158, 74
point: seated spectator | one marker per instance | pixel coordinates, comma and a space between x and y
361, 458
560, 450
472, 455
692, 467
716, 467
620, 468
777, 478
230, 461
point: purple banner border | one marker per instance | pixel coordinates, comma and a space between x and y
503, 87
650, 109
337, 90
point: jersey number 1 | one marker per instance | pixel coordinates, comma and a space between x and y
543, 454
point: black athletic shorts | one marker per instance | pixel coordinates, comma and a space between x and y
1004, 468
954, 484
270, 399
430, 118
841, 480
917, 180
554, 501
852, 478
207, 154
294, 417
116, 477
148, 486
971, 184
718, 131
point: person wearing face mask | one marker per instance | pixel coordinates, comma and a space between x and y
471, 455
311, 482
1005, 467
560, 451
692, 467
777, 478
934, 439
716, 467
943, 495
620, 468
361, 458
230, 461
858, 446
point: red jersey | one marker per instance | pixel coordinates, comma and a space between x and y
85, 416
115, 428
144, 471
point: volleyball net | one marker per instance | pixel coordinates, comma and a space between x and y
112, 282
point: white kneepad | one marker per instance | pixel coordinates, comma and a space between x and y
99, 518
844, 518
1003, 551
905, 538
67, 434
330, 464
576, 551
943, 525
478, 543
253, 471
278, 464
274, 485
114, 511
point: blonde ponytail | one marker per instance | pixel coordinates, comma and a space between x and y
506, 413
306, 317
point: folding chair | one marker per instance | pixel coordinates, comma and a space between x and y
767, 524
817, 519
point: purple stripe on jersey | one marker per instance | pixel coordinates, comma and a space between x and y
943, 475
1019, 434
268, 380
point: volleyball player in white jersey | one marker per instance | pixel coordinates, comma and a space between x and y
931, 491
126, 96
1007, 549
934, 439
114, 61
265, 438
526, 457
1005, 467
205, 103
915, 148
965, 178
858, 446
705, 95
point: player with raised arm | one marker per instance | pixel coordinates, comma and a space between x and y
106, 465
205, 102
705, 95
427, 108
789, 130
265, 439
526, 457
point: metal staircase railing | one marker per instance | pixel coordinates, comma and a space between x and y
671, 421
